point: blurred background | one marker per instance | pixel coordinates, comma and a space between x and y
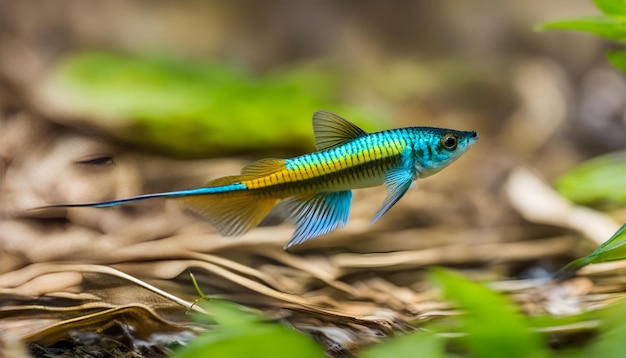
106, 99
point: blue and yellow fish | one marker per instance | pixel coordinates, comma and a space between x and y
315, 190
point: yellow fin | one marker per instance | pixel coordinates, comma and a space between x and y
233, 179
235, 212
263, 167
232, 213
332, 130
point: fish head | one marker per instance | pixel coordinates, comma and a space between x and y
436, 148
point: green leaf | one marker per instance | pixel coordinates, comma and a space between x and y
617, 59
601, 25
611, 250
243, 334
562, 323
426, 343
613, 8
610, 342
196, 109
601, 179
493, 325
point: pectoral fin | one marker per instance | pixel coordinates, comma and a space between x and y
317, 214
397, 182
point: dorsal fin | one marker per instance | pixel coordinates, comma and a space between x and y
331, 130
254, 170
263, 167
224, 181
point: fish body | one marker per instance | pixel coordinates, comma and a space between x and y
315, 189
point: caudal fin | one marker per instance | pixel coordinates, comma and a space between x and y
109, 203
225, 202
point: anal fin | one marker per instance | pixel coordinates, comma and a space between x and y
231, 209
232, 213
317, 214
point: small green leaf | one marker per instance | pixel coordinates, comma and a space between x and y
426, 343
610, 342
612, 250
243, 334
548, 321
613, 8
601, 179
601, 25
617, 59
494, 327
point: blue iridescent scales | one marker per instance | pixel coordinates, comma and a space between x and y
315, 190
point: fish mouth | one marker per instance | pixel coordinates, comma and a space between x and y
472, 138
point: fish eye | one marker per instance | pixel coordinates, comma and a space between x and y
449, 141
